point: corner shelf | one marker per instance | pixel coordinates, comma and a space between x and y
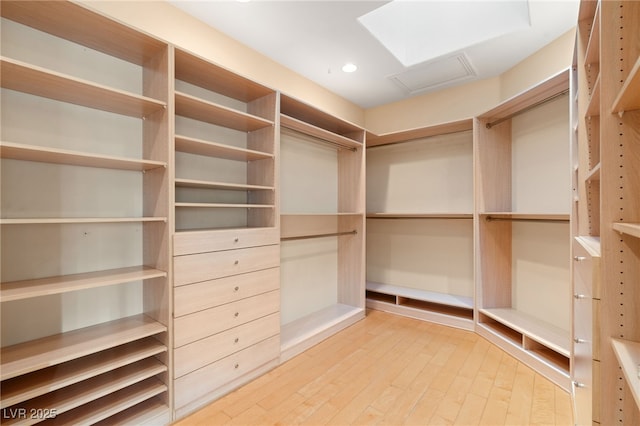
419, 133
71, 220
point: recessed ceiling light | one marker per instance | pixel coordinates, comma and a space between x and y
349, 67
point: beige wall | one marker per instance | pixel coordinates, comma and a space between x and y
164, 21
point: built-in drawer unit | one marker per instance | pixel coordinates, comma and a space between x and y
199, 325
206, 266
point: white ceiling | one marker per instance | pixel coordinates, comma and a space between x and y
316, 38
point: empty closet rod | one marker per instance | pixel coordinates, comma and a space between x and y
529, 108
324, 141
522, 219
332, 234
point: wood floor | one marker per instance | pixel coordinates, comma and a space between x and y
391, 370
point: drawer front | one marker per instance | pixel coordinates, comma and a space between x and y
207, 266
199, 325
208, 294
208, 350
205, 241
199, 383
583, 271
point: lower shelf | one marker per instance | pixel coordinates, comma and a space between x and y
446, 309
628, 355
303, 333
543, 347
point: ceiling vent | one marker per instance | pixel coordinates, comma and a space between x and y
435, 74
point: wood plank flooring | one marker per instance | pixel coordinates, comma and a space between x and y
392, 370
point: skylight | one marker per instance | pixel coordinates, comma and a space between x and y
419, 31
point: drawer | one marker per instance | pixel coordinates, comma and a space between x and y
199, 325
208, 294
208, 350
207, 266
228, 239
199, 383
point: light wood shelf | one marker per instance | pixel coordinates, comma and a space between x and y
628, 98
594, 174
151, 411
591, 244
628, 355
71, 220
37, 354
209, 112
422, 295
213, 149
49, 379
23, 77
88, 391
18, 290
192, 183
23, 152
632, 229
224, 206
419, 215
69, 21
593, 108
115, 403
311, 130
592, 55
546, 334
419, 133
200, 72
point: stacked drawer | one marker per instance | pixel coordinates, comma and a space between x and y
586, 354
226, 308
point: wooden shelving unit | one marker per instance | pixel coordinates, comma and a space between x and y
523, 227
426, 224
607, 235
226, 246
327, 225
63, 364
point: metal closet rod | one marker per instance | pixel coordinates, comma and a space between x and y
523, 219
331, 234
530, 107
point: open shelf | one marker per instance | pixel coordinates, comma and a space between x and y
594, 174
632, 229
628, 355
419, 215
593, 109
311, 130
212, 149
305, 332
192, 183
628, 98
69, 21
419, 133
591, 244
85, 392
546, 334
61, 220
592, 55
49, 379
24, 152
151, 411
18, 290
224, 206
22, 77
37, 354
209, 112
422, 295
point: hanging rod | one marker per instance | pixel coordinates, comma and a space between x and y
530, 107
423, 217
523, 219
332, 234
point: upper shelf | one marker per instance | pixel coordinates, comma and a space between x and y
199, 109
198, 71
311, 130
71, 220
213, 149
632, 229
419, 133
301, 111
593, 47
80, 25
73, 158
23, 77
551, 87
628, 98
419, 215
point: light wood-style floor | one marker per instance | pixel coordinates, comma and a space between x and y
391, 370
